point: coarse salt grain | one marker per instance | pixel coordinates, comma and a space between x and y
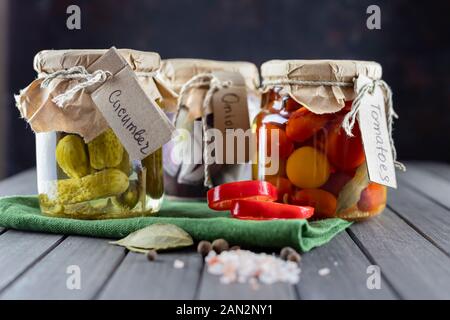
324, 272
245, 266
178, 264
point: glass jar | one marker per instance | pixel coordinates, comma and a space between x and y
303, 149
95, 180
185, 179
83, 170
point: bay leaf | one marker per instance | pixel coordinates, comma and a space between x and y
138, 250
351, 192
157, 236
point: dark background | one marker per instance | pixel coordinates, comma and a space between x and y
412, 47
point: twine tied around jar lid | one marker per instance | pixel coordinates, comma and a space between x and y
78, 73
350, 118
198, 81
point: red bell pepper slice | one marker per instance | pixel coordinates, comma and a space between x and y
221, 197
258, 210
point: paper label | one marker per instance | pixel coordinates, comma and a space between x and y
375, 136
230, 109
141, 126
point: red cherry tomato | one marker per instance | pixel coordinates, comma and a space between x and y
303, 124
259, 210
284, 145
344, 152
221, 197
372, 197
291, 105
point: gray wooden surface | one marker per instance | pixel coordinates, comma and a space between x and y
409, 243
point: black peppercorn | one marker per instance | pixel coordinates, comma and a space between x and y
151, 255
204, 247
284, 253
294, 257
220, 245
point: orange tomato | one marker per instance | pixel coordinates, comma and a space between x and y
284, 145
372, 198
324, 203
284, 187
303, 124
344, 152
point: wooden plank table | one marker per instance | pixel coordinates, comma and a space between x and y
409, 243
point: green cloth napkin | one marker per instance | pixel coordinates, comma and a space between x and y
202, 223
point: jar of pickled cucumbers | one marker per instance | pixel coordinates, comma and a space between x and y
83, 169
193, 80
302, 147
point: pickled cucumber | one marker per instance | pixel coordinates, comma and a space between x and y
49, 206
72, 157
154, 178
91, 208
105, 183
129, 198
105, 151
125, 164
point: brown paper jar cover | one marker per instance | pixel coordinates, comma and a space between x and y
80, 115
318, 98
176, 72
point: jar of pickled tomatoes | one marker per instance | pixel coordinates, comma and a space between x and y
301, 146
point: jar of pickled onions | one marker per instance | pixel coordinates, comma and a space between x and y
302, 147
192, 80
